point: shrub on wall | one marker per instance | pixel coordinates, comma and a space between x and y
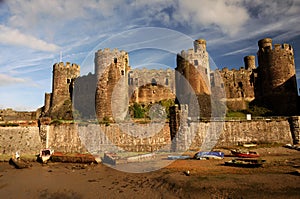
138, 111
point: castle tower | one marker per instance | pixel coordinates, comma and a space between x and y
276, 85
47, 102
63, 80
200, 45
111, 68
249, 62
193, 76
62, 89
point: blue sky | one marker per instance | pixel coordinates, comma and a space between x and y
34, 32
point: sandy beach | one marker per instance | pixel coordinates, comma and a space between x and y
207, 179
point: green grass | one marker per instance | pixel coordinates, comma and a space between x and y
236, 114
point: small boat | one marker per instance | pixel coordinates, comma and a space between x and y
18, 163
245, 154
209, 155
178, 157
45, 155
246, 163
72, 158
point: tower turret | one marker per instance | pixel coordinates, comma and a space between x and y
249, 62
200, 45
265, 43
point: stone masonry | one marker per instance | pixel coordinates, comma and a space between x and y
111, 69
275, 85
58, 104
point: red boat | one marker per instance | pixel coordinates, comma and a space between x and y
245, 154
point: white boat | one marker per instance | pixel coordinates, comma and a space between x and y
45, 154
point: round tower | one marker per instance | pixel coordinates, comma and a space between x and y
47, 102
63, 80
200, 45
265, 43
249, 62
277, 87
111, 69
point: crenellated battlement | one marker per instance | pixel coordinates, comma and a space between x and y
62, 65
266, 46
107, 51
283, 47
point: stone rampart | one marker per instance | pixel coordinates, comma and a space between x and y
26, 140
96, 139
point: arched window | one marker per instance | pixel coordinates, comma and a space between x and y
153, 82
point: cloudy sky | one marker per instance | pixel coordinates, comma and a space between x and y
34, 33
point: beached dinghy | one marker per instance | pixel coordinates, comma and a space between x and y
17, 162
209, 155
45, 154
245, 154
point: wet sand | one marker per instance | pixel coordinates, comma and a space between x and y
208, 179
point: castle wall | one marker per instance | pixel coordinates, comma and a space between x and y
149, 86
196, 135
84, 97
12, 115
188, 135
295, 129
238, 86
151, 94
122, 137
64, 138
24, 139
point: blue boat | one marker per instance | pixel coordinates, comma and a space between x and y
209, 155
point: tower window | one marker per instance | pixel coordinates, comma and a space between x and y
115, 60
167, 81
240, 84
196, 62
131, 81
122, 72
153, 82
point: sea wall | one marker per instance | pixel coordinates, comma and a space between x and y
125, 137
152, 137
26, 140
206, 135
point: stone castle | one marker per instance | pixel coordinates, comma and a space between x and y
107, 93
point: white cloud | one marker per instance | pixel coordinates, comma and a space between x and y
228, 16
8, 80
15, 37
240, 51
